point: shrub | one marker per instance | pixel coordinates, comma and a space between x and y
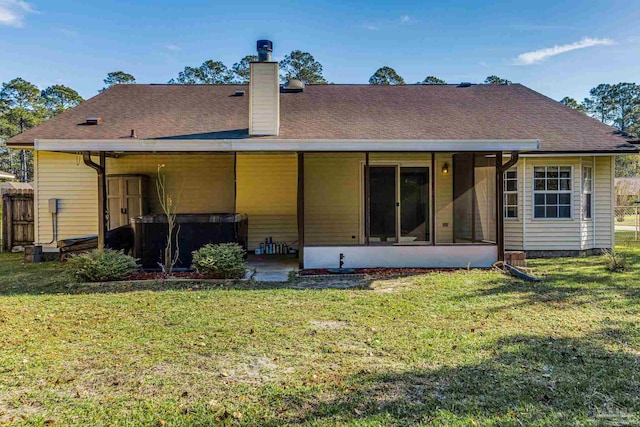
224, 261
101, 266
615, 260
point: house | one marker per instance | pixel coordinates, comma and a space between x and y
627, 191
378, 176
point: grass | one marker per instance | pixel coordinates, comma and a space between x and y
464, 349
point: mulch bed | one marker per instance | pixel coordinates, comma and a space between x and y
158, 275
378, 271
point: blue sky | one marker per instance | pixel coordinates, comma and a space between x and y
555, 47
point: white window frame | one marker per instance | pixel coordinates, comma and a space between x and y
587, 190
558, 192
506, 192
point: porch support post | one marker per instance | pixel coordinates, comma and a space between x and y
432, 200
301, 210
500, 169
103, 213
367, 200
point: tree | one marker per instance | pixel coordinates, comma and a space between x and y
23, 109
599, 103
618, 105
117, 78
495, 80
573, 104
386, 76
302, 66
625, 99
58, 98
241, 69
628, 166
432, 80
210, 72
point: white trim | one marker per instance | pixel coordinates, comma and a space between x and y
524, 204
260, 144
534, 191
582, 192
517, 193
578, 154
425, 256
593, 201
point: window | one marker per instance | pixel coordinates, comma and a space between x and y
552, 192
511, 193
587, 192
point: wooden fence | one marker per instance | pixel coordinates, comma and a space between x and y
17, 219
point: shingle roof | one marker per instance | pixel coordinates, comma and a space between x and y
421, 112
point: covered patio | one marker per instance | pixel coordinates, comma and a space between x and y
339, 203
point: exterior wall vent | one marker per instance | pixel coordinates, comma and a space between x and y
238, 93
93, 121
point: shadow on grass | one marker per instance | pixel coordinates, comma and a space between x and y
528, 380
572, 281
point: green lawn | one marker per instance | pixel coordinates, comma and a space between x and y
466, 348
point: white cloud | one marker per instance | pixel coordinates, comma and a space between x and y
13, 12
173, 47
534, 56
405, 18
370, 27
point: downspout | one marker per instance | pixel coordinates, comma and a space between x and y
500, 168
103, 213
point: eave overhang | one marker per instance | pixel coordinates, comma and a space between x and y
283, 145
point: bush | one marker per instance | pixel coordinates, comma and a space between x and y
222, 261
101, 266
615, 260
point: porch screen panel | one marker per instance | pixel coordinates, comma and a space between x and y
485, 199
474, 188
383, 204
463, 198
414, 204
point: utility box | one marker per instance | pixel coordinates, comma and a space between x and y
53, 206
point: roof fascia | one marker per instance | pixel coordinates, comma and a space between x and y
256, 144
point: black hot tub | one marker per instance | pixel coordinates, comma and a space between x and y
196, 230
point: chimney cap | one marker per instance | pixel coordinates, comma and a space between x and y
265, 45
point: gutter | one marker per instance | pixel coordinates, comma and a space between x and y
285, 145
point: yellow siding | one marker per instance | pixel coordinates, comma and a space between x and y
444, 199
267, 191
264, 101
553, 234
67, 178
604, 201
332, 199
203, 182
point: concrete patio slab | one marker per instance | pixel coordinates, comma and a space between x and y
272, 268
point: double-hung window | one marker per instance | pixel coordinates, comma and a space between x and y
552, 192
511, 193
587, 192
